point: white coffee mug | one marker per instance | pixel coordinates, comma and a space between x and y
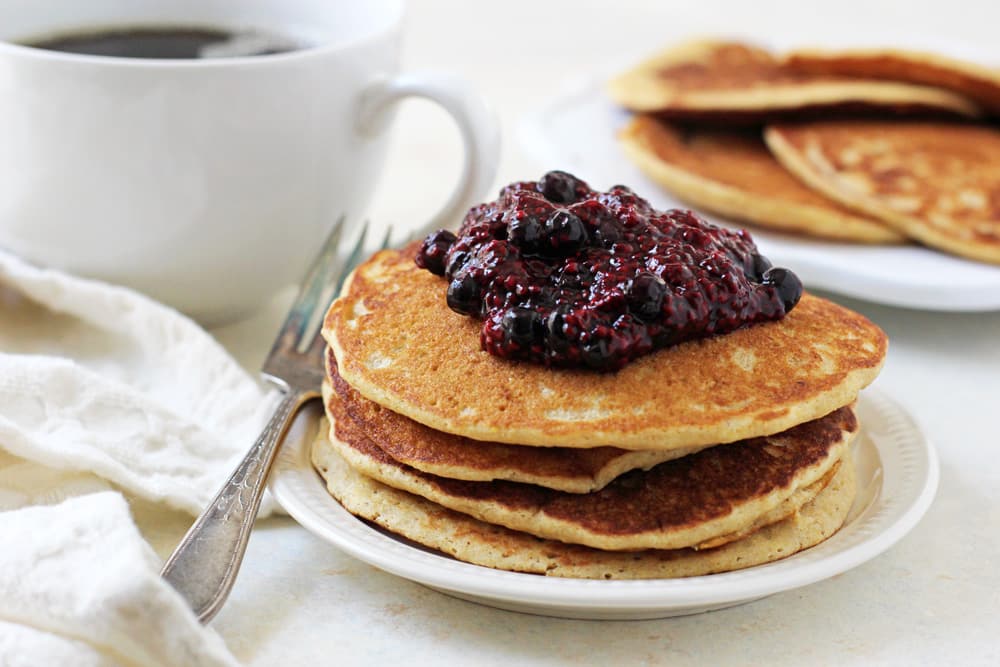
207, 183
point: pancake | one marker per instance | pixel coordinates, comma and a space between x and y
751, 382
938, 183
733, 82
705, 499
481, 543
976, 82
735, 175
446, 455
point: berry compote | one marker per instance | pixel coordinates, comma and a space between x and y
566, 276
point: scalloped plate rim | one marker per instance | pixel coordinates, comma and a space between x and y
891, 453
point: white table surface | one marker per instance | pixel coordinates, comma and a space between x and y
934, 599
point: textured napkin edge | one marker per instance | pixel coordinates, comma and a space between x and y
90, 577
222, 421
21, 646
179, 466
159, 330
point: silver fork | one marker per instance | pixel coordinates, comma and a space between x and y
204, 565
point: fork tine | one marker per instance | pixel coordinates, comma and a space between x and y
314, 343
387, 238
353, 259
330, 289
298, 314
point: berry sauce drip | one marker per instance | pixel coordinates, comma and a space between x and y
566, 276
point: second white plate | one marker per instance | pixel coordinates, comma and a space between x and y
575, 132
897, 476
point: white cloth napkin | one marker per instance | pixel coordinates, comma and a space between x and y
104, 392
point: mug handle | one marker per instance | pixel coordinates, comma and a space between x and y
476, 122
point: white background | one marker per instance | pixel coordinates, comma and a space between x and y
934, 599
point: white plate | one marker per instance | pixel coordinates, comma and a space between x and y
897, 475
576, 133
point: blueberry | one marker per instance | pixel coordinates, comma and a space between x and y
787, 285
546, 297
433, 251
576, 277
758, 267
526, 232
463, 295
456, 263
645, 296
522, 326
608, 233
597, 355
561, 188
566, 232
555, 328
441, 236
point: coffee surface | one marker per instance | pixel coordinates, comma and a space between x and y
165, 42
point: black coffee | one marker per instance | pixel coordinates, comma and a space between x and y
166, 42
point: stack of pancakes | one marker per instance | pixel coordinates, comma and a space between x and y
712, 455
866, 146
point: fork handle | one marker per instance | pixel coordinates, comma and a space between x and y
204, 565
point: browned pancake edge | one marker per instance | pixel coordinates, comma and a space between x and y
736, 82
939, 183
465, 538
734, 174
573, 470
975, 81
754, 381
682, 503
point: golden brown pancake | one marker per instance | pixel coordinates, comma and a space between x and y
705, 499
398, 344
474, 541
976, 82
446, 455
727, 81
938, 183
735, 175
